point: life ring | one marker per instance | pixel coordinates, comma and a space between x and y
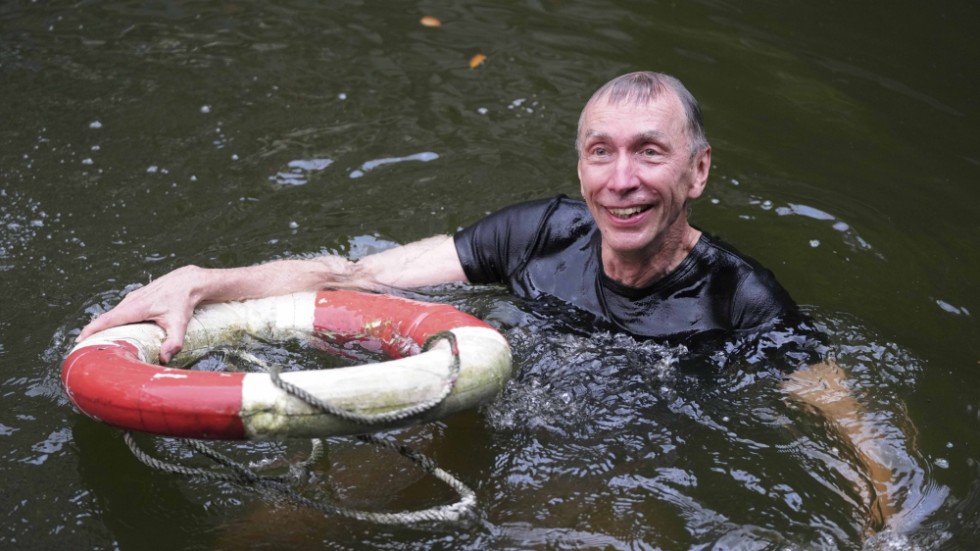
110, 375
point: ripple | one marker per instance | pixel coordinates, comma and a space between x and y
851, 237
299, 171
424, 157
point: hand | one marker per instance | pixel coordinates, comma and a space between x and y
168, 301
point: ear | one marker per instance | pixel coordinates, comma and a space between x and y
700, 167
578, 169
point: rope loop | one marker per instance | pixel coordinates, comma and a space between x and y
282, 485
241, 474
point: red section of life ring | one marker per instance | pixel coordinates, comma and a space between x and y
108, 382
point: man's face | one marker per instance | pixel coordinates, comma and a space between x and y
636, 174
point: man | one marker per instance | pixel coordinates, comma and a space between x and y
627, 255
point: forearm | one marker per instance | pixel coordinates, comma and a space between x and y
278, 277
431, 261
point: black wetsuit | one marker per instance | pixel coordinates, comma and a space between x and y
551, 247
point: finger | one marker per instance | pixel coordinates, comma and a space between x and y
170, 348
174, 341
100, 323
89, 330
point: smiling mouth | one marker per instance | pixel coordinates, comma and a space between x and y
629, 212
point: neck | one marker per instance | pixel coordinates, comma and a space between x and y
640, 270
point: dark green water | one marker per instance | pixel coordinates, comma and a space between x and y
136, 137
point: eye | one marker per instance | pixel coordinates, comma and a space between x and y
599, 151
648, 152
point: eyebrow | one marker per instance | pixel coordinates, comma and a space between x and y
647, 136
652, 136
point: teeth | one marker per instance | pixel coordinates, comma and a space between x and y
626, 213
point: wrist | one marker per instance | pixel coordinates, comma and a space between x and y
197, 281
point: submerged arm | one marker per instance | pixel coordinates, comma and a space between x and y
822, 387
170, 300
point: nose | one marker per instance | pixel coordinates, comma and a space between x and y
624, 177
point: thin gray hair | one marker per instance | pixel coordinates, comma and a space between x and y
641, 88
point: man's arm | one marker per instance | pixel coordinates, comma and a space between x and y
822, 387
170, 300
431, 261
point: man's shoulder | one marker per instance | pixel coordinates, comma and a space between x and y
725, 254
541, 234
570, 214
757, 294
556, 206
557, 217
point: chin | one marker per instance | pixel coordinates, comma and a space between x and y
627, 247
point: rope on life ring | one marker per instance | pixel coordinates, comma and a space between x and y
113, 376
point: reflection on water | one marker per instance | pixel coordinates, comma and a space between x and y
817, 214
728, 192
425, 156
299, 171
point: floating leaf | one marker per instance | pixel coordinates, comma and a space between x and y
477, 60
430, 21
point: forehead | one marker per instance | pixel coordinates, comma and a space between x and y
662, 114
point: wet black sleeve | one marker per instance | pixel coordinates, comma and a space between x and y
498, 245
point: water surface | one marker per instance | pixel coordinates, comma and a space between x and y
136, 137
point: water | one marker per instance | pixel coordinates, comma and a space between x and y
136, 137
